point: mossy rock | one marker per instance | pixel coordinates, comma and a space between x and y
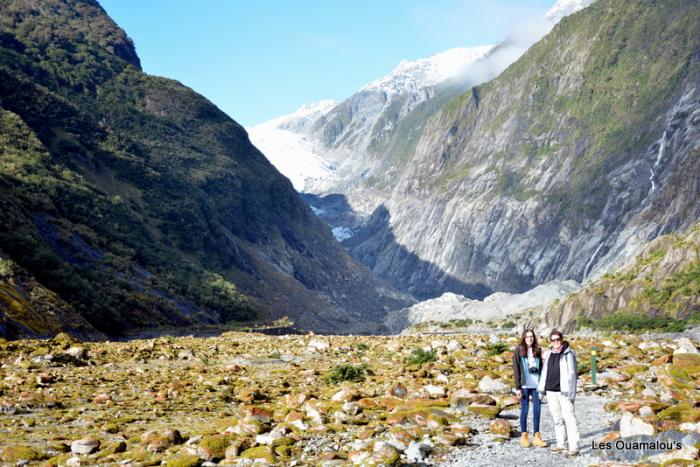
679, 463
58, 460
689, 362
14, 454
144, 458
485, 411
437, 421
40, 352
677, 372
632, 370
213, 447
260, 452
183, 460
113, 448
63, 339
682, 413
284, 452
385, 457
284, 441
111, 428
501, 427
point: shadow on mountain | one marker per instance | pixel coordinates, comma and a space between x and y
372, 242
335, 211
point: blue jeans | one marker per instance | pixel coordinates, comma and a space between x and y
524, 406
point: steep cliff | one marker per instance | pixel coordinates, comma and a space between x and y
663, 280
565, 164
139, 203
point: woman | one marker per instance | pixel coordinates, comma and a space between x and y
558, 382
527, 363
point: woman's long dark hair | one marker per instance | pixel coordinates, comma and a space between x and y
536, 350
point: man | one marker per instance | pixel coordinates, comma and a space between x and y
558, 381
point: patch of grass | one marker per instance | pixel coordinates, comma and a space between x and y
346, 372
583, 322
461, 323
420, 356
634, 322
496, 349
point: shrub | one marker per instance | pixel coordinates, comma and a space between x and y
634, 322
420, 356
496, 349
346, 372
461, 323
583, 322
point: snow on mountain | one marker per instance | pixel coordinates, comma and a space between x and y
301, 120
288, 144
283, 139
415, 75
289, 150
565, 8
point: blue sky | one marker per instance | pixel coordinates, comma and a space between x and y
259, 59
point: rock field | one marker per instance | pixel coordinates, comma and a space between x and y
316, 400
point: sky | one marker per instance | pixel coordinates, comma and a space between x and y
260, 59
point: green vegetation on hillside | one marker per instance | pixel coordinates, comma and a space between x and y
630, 60
127, 195
658, 290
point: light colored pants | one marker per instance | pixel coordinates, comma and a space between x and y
565, 424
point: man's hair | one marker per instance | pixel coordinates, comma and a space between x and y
556, 332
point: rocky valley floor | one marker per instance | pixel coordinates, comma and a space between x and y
241, 398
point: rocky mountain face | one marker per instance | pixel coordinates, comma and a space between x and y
138, 203
359, 147
29, 309
564, 165
330, 147
662, 280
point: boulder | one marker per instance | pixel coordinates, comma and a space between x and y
434, 391
318, 345
85, 446
493, 386
501, 427
263, 453
631, 426
15, 454
486, 411
684, 345
417, 452
686, 453
346, 395
398, 390
213, 447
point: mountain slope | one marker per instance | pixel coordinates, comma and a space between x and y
140, 203
344, 138
577, 154
663, 280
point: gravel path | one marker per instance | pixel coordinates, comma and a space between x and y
482, 450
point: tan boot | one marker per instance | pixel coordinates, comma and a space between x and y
538, 441
524, 442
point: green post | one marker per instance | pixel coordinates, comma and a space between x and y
593, 369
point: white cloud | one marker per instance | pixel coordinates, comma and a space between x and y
464, 22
